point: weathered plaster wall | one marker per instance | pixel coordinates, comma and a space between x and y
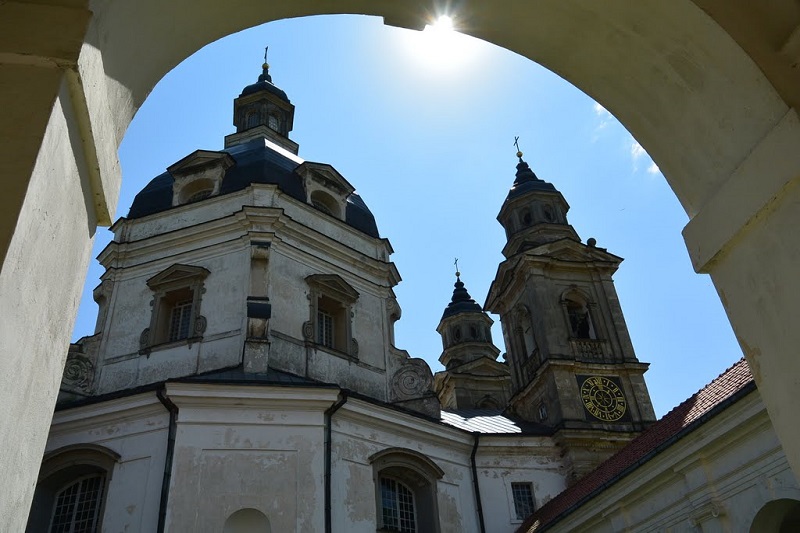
248, 448
136, 428
223, 304
505, 460
361, 430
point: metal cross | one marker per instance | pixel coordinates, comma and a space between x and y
456, 264
516, 143
266, 49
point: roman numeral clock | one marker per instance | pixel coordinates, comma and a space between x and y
603, 398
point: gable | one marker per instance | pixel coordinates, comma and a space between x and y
199, 160
482, 366
178, 274
334, 285
570, 250
326, 176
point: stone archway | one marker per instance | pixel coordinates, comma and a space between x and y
777, 516
707, 87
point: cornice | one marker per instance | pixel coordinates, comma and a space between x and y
116, 411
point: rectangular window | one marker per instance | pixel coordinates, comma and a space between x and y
325, 329
523, 499
179, 320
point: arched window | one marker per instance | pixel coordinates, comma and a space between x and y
489, 402
71, 491
397, 506
273, 123
77, 505
247, 521
325, 203
580, 321
778, 516
195, 190
199, 195
405, 491
251, 120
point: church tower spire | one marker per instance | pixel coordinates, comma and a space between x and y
571, 359
534, 212
263, 110
473, 378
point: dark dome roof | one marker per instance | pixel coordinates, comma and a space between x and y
255, 163
461, 302
527, 181
264, 86
264, 83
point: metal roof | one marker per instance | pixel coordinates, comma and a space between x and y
256, 162
491, 421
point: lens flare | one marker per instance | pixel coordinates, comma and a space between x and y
443, 23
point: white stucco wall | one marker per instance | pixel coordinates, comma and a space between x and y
136, 428
502, 460
263, 447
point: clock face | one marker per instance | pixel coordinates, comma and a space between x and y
603, 398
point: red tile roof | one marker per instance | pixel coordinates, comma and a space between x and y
685, 418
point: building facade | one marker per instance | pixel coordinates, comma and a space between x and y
243, 375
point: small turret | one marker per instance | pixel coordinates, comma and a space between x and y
263, 110
533, 213
473, 377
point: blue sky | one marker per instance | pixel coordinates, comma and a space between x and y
423, 124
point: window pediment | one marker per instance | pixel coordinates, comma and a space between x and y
321, 174
198, 175
334, 285
200, 160
178, 274
175, 314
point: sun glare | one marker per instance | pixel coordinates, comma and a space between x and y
443, 23
440, 46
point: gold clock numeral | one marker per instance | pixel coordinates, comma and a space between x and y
603, 398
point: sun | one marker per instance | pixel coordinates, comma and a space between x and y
443, 23
440, 46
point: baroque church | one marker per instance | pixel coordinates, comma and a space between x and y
243, 375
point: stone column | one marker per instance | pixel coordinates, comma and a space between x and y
747, 236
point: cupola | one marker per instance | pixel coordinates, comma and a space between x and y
263, 110
473, 378
533, 213
465, 328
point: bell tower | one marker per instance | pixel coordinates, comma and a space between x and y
473, 378
570, 355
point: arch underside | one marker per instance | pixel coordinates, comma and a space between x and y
708, 92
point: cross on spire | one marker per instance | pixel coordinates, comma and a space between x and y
516, 143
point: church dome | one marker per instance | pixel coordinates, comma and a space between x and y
527, 181
264, 83
255, 162
461, 301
